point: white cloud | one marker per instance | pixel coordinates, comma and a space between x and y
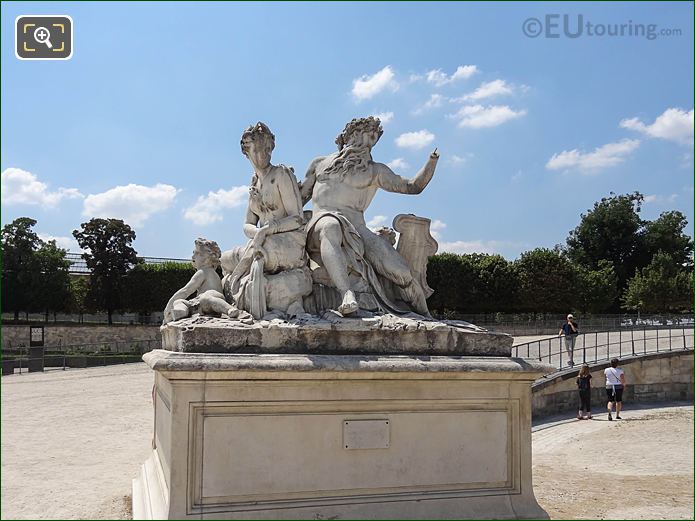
455, 160
439, 78
132, 203
67, 243
463, 72
384, 117
478, 116
398, 164
208, 209
436, 100
366, 87
660, 198
436, 228
377, 221
674, 125
488, 89
605, 156
470, 247
22, 187
416, 140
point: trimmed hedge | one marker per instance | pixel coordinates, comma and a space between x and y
148, 287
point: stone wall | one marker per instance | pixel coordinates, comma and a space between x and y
656, 377
18, 335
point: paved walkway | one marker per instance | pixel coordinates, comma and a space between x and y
596, 347
72, 442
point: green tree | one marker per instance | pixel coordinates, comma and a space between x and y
109, 256
54, 290
547, 281
79, 288
665, 234
19, 244
664, 285
471, 283
453, 279
611, 231
498, 284
596, 289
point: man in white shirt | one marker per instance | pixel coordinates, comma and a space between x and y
615, 383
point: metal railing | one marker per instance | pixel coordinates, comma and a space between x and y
548, 324
599, 346
78, 355
78, 266
515, 325
150, 319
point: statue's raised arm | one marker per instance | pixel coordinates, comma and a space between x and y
392, 182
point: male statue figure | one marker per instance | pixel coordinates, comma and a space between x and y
341, 186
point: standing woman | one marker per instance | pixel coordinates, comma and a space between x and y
584, 387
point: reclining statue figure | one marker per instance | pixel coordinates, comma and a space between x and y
207, 286
341, 186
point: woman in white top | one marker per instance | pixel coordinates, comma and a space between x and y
615, 383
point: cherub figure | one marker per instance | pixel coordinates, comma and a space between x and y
207, 285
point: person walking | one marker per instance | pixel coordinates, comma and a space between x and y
584, 387
615, 383
570, 329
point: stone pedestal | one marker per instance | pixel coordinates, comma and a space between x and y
292, 436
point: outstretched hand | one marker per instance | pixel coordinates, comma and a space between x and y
434, 154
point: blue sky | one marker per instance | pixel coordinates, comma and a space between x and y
143, 123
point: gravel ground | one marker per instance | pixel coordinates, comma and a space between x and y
640, 467
72, 442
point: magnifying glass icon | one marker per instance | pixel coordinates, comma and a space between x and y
43, 35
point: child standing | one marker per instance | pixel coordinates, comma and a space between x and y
584, 386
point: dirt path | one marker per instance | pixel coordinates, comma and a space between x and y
72, 441
638, 468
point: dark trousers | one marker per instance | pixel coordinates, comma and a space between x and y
585, 400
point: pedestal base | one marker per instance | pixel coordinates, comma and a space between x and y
357, 437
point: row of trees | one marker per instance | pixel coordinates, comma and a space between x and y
612, 260
35, 274
546, 281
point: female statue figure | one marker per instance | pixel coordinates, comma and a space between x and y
271, 272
